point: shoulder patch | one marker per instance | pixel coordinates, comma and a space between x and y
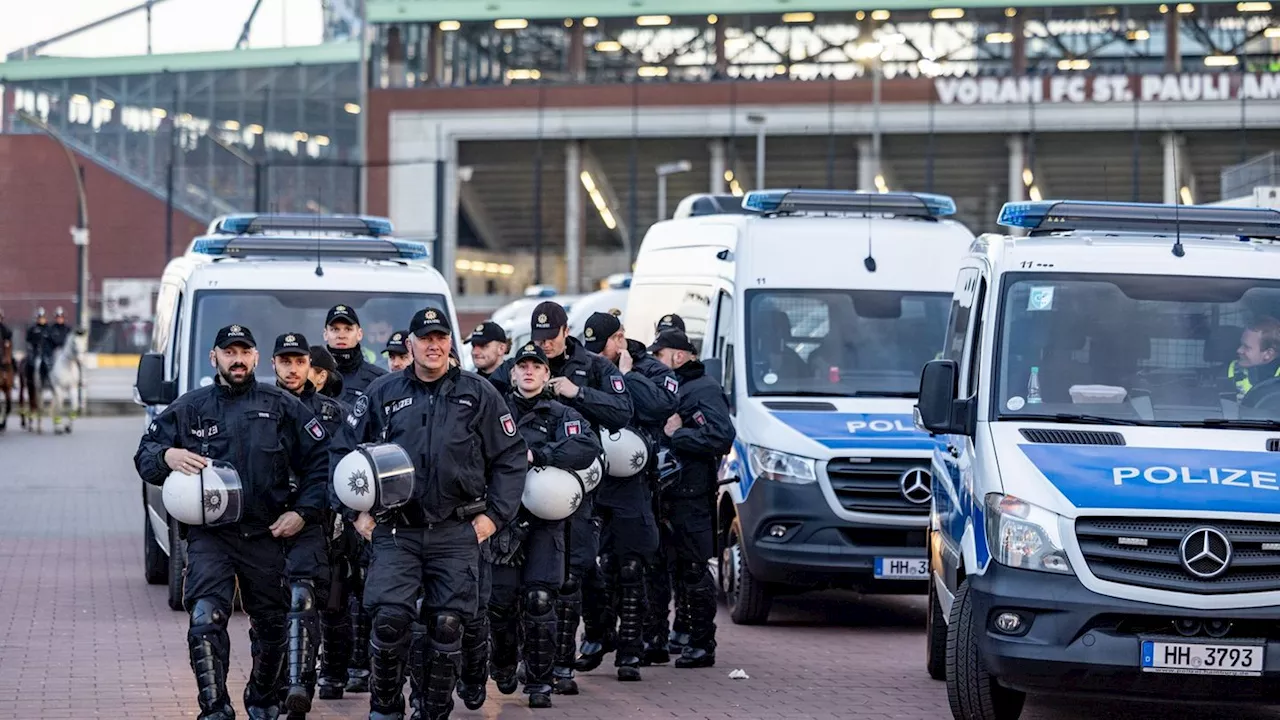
699, 418
618, 384
352, 421
315, 429
362, 405
671, 384
508, 425
573, 427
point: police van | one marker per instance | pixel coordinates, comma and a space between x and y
1106, 511
816, 310
273, 274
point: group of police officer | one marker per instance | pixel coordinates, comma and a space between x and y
42, 339
462, 581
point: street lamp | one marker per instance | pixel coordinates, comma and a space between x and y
663, 170
758, 121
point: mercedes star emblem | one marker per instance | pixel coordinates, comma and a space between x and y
915, 486
1205, 552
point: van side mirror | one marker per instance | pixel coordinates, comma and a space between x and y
151, 386
938, 410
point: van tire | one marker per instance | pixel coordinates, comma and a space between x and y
935, 636
155, 564
177, 565
747, 598
972, 691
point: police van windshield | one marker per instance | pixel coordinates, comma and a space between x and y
850, 343
1140, 349
269, 313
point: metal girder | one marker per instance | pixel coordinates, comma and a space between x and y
248, 25
28, 51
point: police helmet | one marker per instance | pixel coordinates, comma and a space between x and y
214, 496
374, 477
625, 453
592, 475
551, 493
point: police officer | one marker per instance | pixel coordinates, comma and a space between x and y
58, 332
342, 335
470, 464
629, 536
591, 385
397, 352
38, 357
307, 553
699, 434
1258, 357
528, 555
669, 322
324, 373
489, 348
265, 434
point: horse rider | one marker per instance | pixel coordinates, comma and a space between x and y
6, 336
39, 347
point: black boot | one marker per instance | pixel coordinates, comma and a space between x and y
631, 620
388, 642
209, 649
568, 611
700, 594
598, 618
358, 670
416, 671
475, 661
444, 665
335, 657
539, 622
504, 630
303, 636
262, 692
678, 640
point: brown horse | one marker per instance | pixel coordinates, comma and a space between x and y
8, 374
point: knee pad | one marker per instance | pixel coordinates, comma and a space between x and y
390, 626
207, 616
302, 596
446, 628
691, 572
631, 572
539, 602
606, 565
572, 583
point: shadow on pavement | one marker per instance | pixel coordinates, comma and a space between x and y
842, 608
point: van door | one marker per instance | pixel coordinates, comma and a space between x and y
720, 344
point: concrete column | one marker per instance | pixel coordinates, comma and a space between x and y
1169, 143
722, 57
577, 54
573, 224
435, 56
1172, 41
867, 165
1019, 48
1017, 163
718, 167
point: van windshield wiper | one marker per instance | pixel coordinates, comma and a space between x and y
1238, 424
887, 393
1079, 418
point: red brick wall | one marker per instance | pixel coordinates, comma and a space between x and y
37, 210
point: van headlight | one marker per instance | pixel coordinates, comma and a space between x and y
1025, 536
782, 467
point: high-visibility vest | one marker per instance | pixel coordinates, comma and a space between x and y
1240, 376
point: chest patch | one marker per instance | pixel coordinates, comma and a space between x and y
205, 432
396, 406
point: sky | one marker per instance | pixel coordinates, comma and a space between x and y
177, 25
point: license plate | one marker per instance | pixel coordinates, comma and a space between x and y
1198, 659
902, 568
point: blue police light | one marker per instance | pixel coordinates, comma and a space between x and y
267, 246
1068, 215
246, 224
896, 203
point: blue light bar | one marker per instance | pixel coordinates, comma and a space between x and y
243, 246
925, 205
1067, 215
297, 222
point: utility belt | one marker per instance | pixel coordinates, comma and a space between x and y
411, 515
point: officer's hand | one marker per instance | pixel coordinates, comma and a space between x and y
530, 453
674, 423
184, 461
564, 387
287, 525
484, 527
625, 363
365, 525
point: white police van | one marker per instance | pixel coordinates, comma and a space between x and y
1106, 511
273, 274
816, 309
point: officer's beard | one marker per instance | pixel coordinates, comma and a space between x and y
347, 359
237, 386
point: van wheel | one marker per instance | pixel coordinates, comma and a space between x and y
748, 599
936, 636
972, 691
177, 565
154, 563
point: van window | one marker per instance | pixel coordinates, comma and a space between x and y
270, 313
646, 304
848, 343
724, 338
1143, 348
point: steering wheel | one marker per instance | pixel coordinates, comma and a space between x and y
1263, 396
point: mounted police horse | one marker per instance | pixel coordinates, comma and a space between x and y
60, 377
7, 380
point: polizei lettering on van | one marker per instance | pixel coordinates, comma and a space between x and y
880, 426
1164, 475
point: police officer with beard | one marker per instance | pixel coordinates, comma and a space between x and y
528, 555
699, 434
342, 335
265, 434
591, 385
470, 464
307, 553
629, 533
489, 348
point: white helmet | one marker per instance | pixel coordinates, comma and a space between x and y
592, 475
551, 493
625, 453
374, 477
214, 496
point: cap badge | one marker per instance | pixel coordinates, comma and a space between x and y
396, 337
542, 318
431, 314
341, 308
529, 347
666, 319
290, 338
590, 332
235, 329
479, 328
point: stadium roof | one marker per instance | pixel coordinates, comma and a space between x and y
385, 11
54, 68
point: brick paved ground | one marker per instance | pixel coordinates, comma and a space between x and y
83, 636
